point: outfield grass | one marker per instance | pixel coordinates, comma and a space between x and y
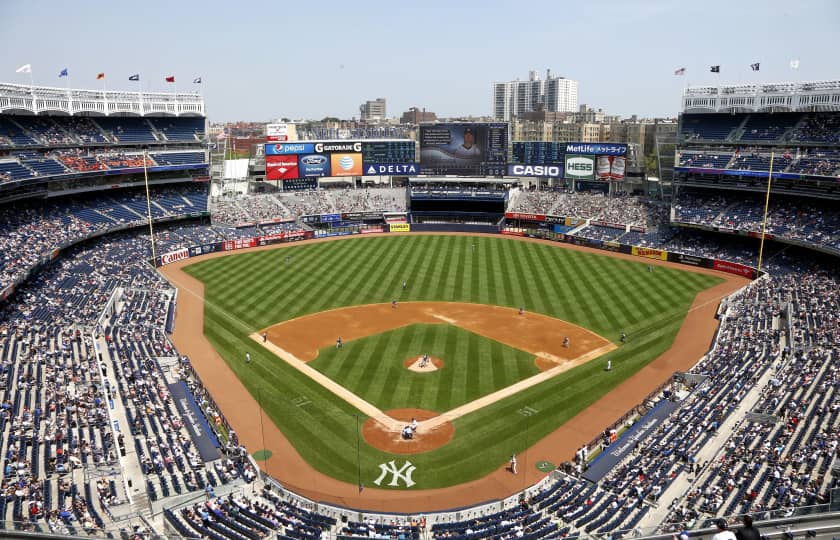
474, 366
253, 290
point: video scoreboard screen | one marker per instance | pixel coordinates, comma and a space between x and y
537, 153
465, 149
388, 152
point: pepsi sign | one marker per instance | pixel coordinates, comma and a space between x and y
279, 149
314, 165
372, 169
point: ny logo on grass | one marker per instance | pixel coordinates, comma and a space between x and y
403, 473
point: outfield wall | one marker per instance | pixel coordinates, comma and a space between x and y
537, 231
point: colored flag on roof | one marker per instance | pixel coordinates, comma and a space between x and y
171, 78
25, 68
680, 71
63, 73
135, 77
100, 76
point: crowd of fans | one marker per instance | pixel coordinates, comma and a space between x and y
57, 388
619, 210
292, 205
811, 221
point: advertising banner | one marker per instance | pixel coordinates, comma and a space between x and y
607, 149
649, 253
619, 164
281, 167
734, 268
690, 260
603, 167
346, 164
342, 146
330, 218
177, 255
612, 455
580, 167
238, 243
361, 216
399, 227
526, 217
554, 170
373, 169
195, 251
281, 149
311, 165
205, 440
276, 132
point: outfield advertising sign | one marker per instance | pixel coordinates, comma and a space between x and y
553, 170
281, 149
281, 167
374, 169
606, 149
580, 167
312, 165
399, 227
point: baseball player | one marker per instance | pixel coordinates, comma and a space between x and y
522, 310
247, 358
566, 342
609, 365
513, 464
405, 284
623, 338
394, 303
338, 343
265, 336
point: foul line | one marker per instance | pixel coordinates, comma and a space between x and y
394, 425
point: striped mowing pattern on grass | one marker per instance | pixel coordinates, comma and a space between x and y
475, 366
250, 291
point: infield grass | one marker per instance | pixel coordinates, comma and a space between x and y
474, 366
253, 290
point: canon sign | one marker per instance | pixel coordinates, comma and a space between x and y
172, 256
338, 147
536, 170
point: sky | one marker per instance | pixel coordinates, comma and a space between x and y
311, 59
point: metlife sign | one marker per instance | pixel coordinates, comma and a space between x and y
580, 167
601, 149
374, 169
551, 171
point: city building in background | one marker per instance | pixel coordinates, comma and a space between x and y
416, 116
554, 94
372, 110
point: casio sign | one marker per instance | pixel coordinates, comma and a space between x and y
535, 170
579, 166
313, 160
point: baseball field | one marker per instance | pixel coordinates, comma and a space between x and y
501, 380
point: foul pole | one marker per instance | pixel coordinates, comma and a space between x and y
766, 206
149, 207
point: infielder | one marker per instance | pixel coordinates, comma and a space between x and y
513, 464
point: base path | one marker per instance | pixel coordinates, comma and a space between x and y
531, 332
289, 467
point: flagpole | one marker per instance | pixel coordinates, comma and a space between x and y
149, 206
766, 206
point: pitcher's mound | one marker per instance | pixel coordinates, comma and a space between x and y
376, 435
417, 364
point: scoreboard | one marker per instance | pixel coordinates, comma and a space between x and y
388, 151
537, 153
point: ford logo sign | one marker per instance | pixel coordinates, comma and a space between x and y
313, 160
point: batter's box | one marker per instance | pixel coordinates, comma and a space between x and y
527, 411
301, 401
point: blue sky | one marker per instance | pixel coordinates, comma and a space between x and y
260, 60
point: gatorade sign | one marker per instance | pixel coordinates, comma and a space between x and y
580, 167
